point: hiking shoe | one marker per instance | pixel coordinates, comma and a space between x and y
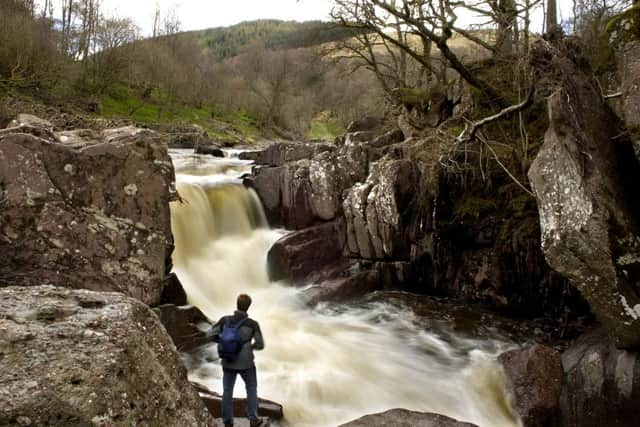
257, 423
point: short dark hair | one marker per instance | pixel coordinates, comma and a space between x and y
244, 302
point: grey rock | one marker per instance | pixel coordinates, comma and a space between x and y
586, 188
31, 120
308, 191
406, 418
77, 357
376, 211
281, 153
601, 383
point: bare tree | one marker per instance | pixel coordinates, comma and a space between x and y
432, 21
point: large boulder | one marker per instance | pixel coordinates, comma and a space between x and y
405, 418
602, 383
585, 179
93, 215
534, 377
77, 357
308, 255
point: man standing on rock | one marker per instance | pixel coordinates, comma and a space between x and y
237, 336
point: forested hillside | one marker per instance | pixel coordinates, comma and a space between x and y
261, 78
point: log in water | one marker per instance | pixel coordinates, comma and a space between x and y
332, 363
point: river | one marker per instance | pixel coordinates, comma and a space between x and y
332, 363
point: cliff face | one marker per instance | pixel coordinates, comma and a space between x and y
393, 219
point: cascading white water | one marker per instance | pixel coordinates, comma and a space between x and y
330, 364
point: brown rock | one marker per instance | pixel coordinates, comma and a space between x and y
406, 418
534, 377
213, 402
211, 150
172, 291
308, 255
355, 284
77, 357
93, 216
185, 325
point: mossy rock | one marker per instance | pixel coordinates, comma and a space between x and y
625, 26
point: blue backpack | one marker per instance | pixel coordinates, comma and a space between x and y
229, 341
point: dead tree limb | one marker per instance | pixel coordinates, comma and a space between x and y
471, 128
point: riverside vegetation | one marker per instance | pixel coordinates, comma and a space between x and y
470, 191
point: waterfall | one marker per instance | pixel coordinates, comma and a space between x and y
332, 363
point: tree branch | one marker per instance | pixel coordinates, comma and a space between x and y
472, 128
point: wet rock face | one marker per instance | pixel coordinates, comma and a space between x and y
77, 357
585, 181
91, 212
405, 418
377, 211
602, 383
534, 376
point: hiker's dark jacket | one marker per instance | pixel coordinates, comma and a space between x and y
250, 333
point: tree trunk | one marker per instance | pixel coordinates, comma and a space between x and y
552, 15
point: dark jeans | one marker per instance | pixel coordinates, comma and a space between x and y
250, 381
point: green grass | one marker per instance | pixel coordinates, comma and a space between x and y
325, 128
157, 108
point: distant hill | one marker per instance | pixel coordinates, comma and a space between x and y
226, 42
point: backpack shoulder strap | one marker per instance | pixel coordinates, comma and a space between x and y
241, 322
